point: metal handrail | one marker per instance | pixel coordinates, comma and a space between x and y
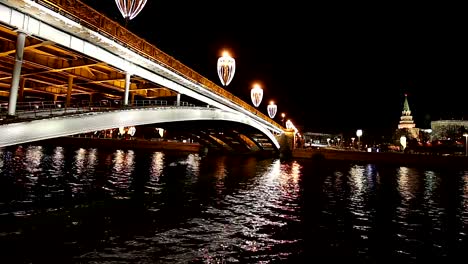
46, 109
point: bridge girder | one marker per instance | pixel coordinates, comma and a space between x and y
47, 66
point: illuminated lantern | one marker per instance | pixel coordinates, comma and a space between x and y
271, 108
226, 68
256, 94
289, 124
130, 8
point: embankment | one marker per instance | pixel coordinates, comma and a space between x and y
381, 157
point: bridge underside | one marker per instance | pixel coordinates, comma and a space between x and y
220, 136
47, 69
214, 128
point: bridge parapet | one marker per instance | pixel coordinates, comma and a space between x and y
92, 19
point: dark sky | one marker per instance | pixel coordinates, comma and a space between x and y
329, 67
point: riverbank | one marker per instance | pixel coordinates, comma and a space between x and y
382, 157
125, 143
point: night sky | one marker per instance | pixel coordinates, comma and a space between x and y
330, 68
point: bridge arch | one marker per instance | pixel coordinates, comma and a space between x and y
36, 130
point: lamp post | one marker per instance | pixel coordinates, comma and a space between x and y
359, 134
282, 118
466, 143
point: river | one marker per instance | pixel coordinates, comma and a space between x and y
76, 205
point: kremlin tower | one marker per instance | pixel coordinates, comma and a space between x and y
406, 120
407, 127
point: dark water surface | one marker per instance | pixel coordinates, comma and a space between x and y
71, 205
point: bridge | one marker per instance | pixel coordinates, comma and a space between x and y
66, 53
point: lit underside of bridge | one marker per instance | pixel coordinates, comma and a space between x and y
63, 50
206, 125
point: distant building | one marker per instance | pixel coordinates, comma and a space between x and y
448, 129
312, 139
406, 126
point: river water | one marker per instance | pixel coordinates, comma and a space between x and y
75, 205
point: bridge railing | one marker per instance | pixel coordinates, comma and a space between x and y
45, 109
92, 19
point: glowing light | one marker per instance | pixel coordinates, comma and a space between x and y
256, 94
132, 131
226, 68
359, 132
290, 125
403, 142
130, 8
160, 131
272, 108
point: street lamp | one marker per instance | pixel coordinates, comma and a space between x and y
466, 143
359, 134
282, 118
403, 142
256, 94
226, 68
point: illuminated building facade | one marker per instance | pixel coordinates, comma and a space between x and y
448, 129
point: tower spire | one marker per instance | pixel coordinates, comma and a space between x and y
406, 120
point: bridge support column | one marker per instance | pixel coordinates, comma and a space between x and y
127, 88
178, 99
69, 90
21, 39
286, 141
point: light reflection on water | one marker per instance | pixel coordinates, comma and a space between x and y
91, 205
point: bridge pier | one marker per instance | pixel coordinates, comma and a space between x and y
127, 88
286, 141
20, 41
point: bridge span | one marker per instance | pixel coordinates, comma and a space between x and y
65, 50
